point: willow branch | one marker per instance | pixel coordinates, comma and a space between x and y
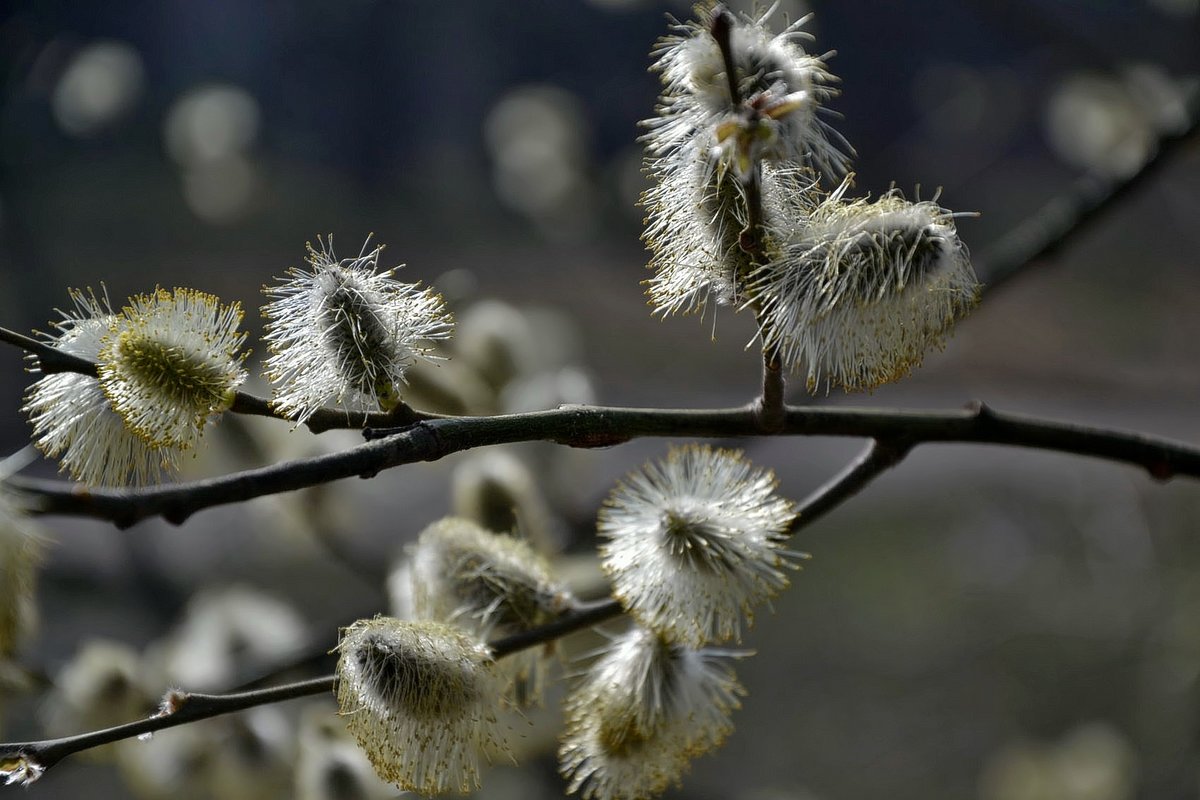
770, 406
187, 707
328, 419
52, 360
596, 426
1043, 233
584, 615
878, 457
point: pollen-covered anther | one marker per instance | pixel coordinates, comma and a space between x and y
419, 697
705, 147
170, 362
775, 79
694, 543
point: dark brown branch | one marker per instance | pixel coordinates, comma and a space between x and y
593, 426
1043, 233
50, 359
770, 406
878, 457
192, 707
585, 615
189, 707
328, 419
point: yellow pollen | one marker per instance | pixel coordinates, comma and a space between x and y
185, 379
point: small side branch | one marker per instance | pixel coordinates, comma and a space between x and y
769, 407
50, 359
328, 419
585, 615
37, 757
1066, 216
26, 761
878, 457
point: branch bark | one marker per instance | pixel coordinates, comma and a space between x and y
878, 457
595, 426
1044, 233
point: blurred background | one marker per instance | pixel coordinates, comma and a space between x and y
982, 622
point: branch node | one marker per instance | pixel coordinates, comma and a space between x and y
769, 417
893, 450
981, 411
404, 414
371, 434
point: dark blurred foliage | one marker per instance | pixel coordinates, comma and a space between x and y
984, 621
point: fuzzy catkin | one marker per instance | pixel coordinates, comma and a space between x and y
693, 543
419, 697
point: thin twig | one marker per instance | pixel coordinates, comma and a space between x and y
878, 457
770, 405
328, 419
52, 360
585, 615
596, 426
186, 707
193, 707
1044, 233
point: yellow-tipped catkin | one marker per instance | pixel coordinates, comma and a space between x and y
420, 699
170, 363
491, 584
863, 290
